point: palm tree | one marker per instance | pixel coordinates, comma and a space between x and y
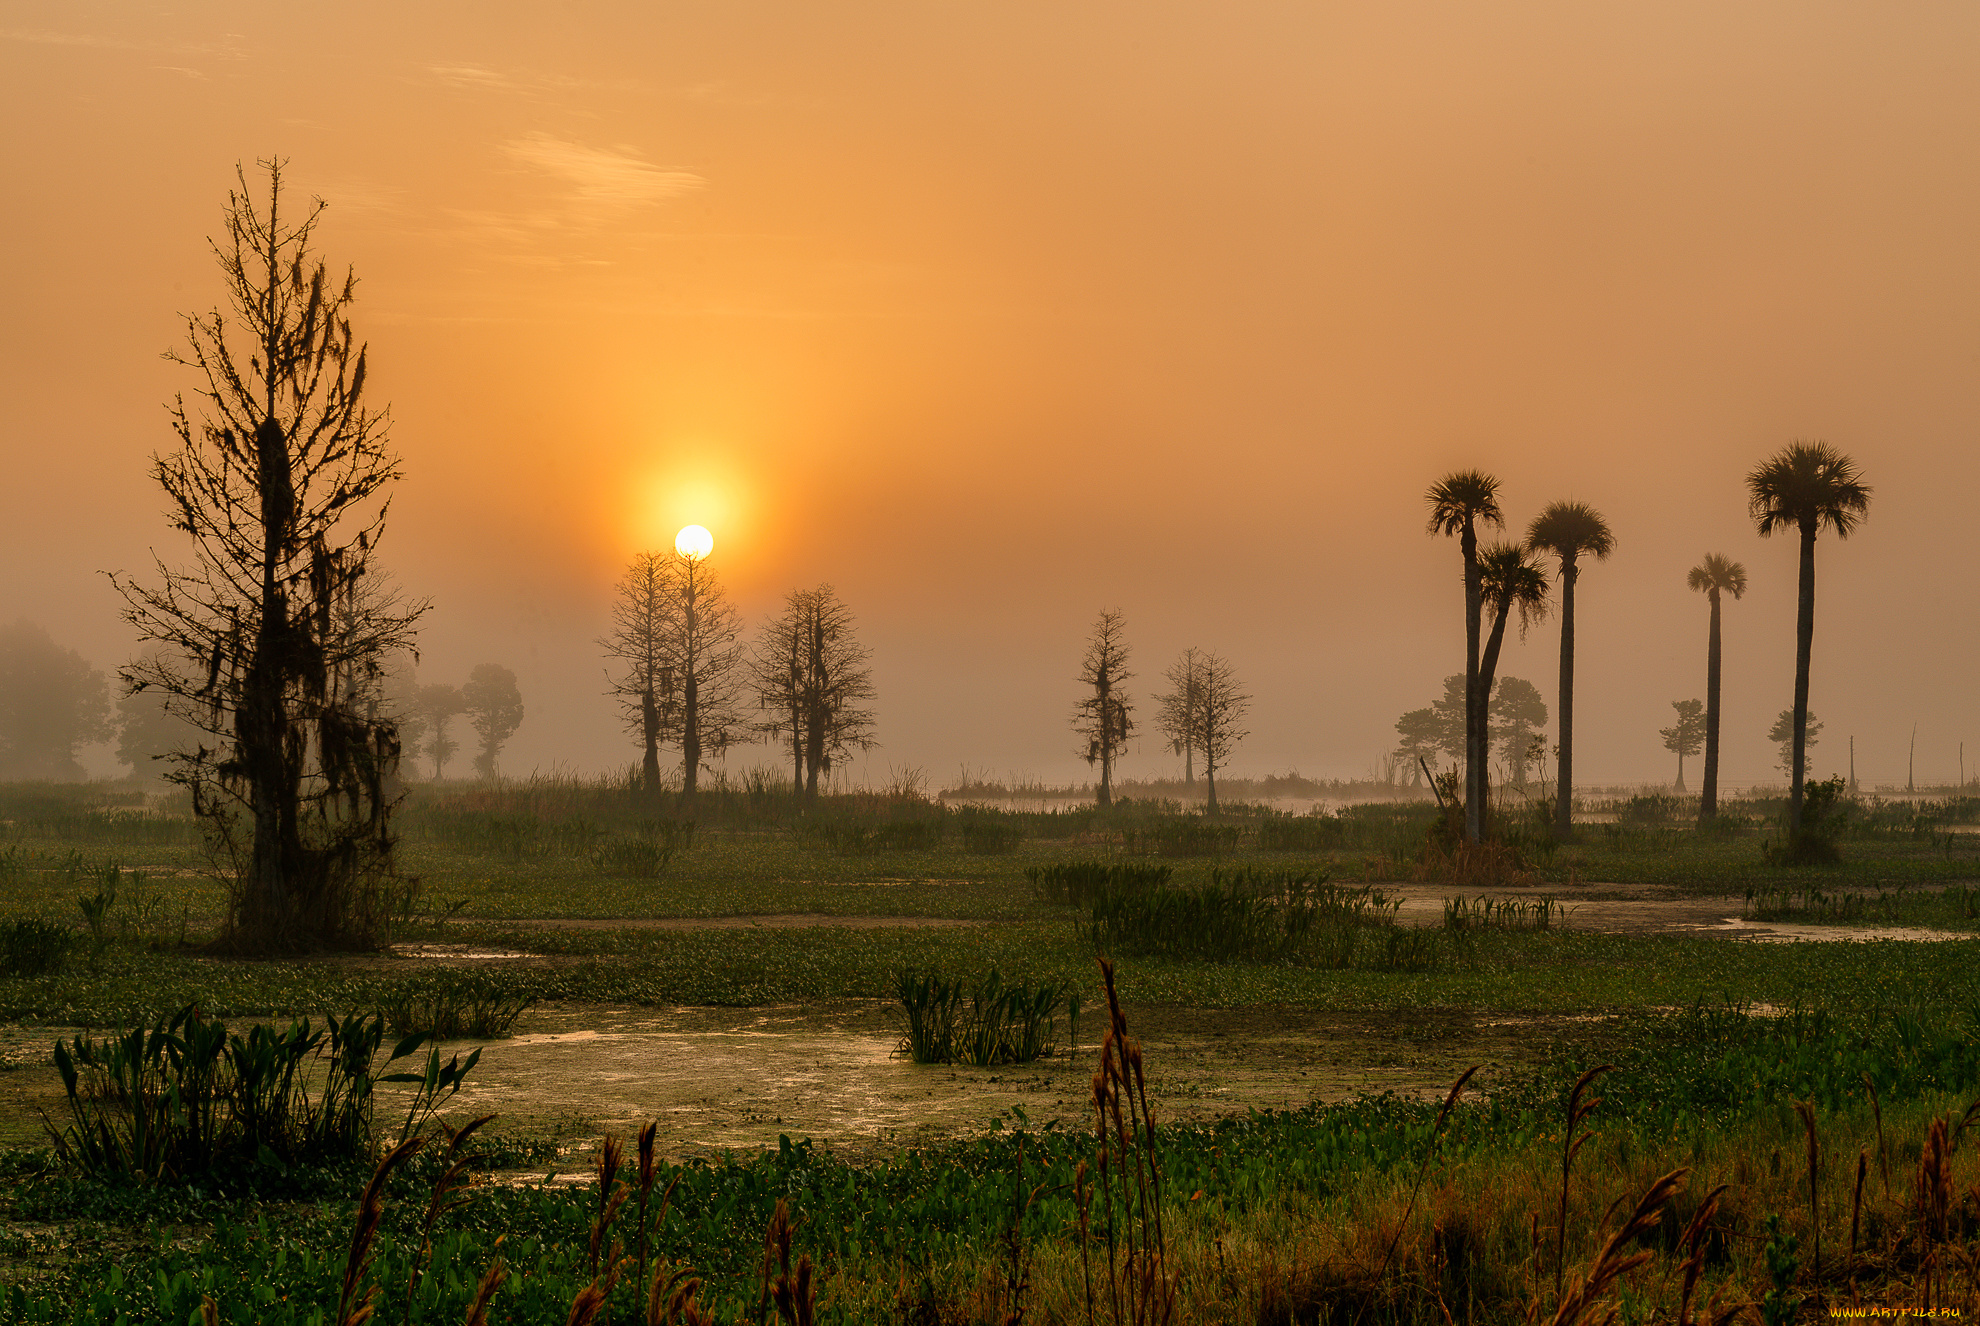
1507, 579
1717, 574
1458, 502
1569, 530
1806, 485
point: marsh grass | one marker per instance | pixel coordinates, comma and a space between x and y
34, 947
1081, 883
186, 1099
1486, 913
982, 1022
646, 851
456, 1005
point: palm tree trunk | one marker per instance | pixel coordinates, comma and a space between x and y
1564, 775
1708, 801
1804, 647
1488, 669
1474, 704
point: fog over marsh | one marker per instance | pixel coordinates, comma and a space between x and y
996, 318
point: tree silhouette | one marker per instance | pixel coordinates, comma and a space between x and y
1508, 581
1685, 736
272, 640
812, 672
1104, 719
1805, 486
1570, 531
439, 704
1782, 734
644, 609
1203, 709
495, 710
703, 647
51, 703
1715, 576
1517, 716
1176, 707
1459, 503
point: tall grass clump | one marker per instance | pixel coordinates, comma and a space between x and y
982, 1022
184, 1098
33, 947
1250, 915
1079, 883
448, 1006
646, 851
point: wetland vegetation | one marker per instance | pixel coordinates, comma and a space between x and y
1825, 1085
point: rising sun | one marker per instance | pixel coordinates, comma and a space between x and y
694, 541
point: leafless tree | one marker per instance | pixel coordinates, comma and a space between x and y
1175, 707
645, 616
1208, 708
811, 671
271, 640
1104, 719
678, 642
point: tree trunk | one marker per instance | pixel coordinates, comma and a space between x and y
1106, 740
797, 754
1488, 668
1210, 779
262, 725
1678, 787
1564, 772
1804, 648
1474, 706
1708, 802
1189, 768
690, 701
649, 723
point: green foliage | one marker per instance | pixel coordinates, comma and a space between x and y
1184, 835
34, 947
982, 1023
646, 852
1781, 1305
1486, 913
987, 834
455, 1005
1079, 883
862, 838
185, 1099
1301, 833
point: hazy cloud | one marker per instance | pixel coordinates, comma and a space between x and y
612, 177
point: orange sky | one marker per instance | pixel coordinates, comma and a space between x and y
994, 315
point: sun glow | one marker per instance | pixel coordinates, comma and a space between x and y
694, 541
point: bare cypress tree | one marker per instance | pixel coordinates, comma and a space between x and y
1175, 709
274, 638
644, 619
812, 671
1207, 706
1104, 718
707, 655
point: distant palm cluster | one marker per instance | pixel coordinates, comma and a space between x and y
1805, 487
